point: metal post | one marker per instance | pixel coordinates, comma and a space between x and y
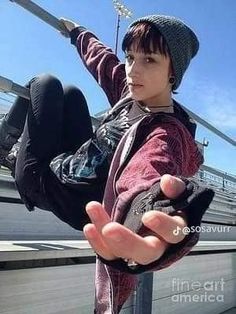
9, 86
209, 126
117, 32
121, 11
42, 14
143, 303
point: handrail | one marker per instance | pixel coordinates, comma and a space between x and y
210, 127
42, 14
211, 176
9, 86
219, 173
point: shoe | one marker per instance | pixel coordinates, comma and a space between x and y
9, 161
8, 134
9, 145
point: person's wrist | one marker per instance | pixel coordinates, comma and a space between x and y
75, 33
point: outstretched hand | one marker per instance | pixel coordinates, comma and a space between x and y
111, 240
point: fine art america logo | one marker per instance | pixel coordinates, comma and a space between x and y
196, 291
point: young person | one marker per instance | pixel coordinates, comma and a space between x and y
62, 165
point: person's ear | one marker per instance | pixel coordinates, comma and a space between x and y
172, 80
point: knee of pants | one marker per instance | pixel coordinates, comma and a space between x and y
46, 110
46, 90
47, 80
74, 96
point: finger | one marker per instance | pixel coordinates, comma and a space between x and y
95, 240
97, 214
167, 227
172, 186
126, 244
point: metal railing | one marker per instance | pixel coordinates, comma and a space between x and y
41, 14
221, 181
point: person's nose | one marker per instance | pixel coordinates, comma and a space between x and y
133, 69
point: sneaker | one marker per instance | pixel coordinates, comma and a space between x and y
9, 161
8, 134
9, 145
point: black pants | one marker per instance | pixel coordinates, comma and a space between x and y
55, 120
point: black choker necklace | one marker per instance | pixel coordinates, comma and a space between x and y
145, 106
158, 106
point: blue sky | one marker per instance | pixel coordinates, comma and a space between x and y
29, 47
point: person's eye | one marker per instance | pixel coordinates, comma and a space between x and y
149, 60
129, 58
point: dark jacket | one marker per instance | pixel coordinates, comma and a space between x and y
157, 144
167, 147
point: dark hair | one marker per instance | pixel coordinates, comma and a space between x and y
146, 38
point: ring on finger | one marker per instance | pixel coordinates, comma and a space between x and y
130, 262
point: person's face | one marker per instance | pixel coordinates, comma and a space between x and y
148, 77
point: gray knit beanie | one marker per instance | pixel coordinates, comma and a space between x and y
181, 40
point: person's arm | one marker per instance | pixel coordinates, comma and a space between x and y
192, 204
100, 61
170, 149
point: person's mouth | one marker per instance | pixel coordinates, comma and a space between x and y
135, 85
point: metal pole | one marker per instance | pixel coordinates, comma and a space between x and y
143, 304
117, 32
42, 14
9, 86
209, 126
122, 11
